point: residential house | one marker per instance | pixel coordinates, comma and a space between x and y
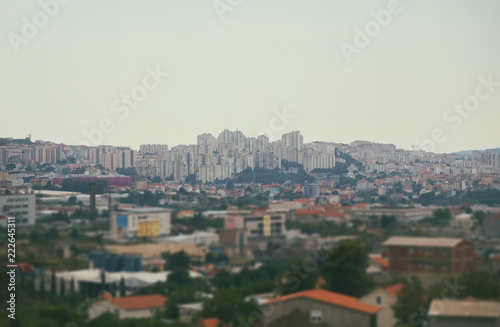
144, 306
319, 308
384, 297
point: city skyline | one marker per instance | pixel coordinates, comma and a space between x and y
278, 139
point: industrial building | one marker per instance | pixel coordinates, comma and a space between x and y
140, 223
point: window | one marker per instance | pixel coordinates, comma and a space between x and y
429, 265
444, 265
379, 300
444, 251
429, 250
410, 250
316, 316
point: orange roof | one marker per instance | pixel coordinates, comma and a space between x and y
332, 298
394, 289
384, 263
139, 302
209, 322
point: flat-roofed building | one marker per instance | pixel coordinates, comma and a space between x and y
464, 313
140, 223
21, 206
429, 258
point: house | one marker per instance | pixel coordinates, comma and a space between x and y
318, 308
143, 306
207, 322
384, 297
428, 258
464, 313
378, 267
188, 311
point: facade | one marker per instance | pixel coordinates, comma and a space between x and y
234, 242
430, 259
311, 190
464, 313
319, 308
384, 297
129, 307
268, 224
403, 215
140, 222
22, 207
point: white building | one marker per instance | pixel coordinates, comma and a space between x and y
22, 207
384, 297
140, 222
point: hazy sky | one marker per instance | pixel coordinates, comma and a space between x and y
236, 72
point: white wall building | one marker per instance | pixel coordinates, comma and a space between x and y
22, 207
140, 222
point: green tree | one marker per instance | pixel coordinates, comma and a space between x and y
72, 200
35, 237
72, 285
298, 279
42, 287
10, 166
177, 260
52, 234
62, 287
480, 285
442, 214
223, 280
345, 269
53, 285
179, 276
409, 306
229, 306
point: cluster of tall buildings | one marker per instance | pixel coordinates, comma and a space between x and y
230, 153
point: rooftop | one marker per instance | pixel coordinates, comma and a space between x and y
393, 289
422, 241
139, 302
331, 298
465, 308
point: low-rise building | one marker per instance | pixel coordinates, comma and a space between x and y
20, 206
319, 308
384, 297
464, 313
140, 223
144, 306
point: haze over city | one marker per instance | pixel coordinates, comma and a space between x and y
233, 72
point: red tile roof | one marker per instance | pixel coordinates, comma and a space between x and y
331, 298
302, 200
209, 322
394, 289
384, 263
139, 302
